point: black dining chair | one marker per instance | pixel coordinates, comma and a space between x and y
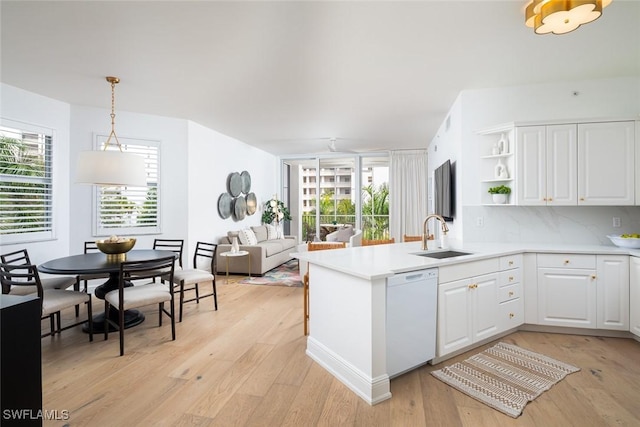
125, 298
52, 301
193, 277
173, 245
21, 257
89, 247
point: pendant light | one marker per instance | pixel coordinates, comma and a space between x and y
110, 167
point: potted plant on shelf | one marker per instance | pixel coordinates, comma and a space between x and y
500, 194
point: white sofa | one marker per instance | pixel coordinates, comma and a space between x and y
266, 254
351, 236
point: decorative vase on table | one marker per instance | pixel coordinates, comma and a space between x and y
235, 247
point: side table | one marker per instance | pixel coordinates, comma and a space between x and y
227, 255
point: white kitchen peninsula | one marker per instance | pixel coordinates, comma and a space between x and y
347, 303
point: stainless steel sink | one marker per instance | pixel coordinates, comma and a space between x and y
442, 254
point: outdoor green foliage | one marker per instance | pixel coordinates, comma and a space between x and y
116, 208
148, 212
501, 189
375, 212
29, 199
17, 159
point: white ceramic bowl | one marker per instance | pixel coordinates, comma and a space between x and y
628, 242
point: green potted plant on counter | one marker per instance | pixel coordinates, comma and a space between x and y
500, 194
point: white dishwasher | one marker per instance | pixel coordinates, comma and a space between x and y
411, 320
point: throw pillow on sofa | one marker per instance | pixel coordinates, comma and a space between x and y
261, 233
247, 237
271, 232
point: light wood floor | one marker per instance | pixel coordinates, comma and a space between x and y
245, 365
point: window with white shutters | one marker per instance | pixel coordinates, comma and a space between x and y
26, 206
130, 210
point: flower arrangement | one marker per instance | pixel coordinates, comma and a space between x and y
275, 211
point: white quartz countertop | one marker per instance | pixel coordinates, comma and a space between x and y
380, 261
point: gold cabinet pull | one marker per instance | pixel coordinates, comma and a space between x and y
593, 276
511, 278
566, 261
510, 262
511, 315
582, 199
510, 293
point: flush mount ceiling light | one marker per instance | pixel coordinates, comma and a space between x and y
111, 168
562, 16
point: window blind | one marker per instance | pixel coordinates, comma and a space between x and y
131, 210
26, 190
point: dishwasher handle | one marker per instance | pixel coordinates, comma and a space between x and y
411, 277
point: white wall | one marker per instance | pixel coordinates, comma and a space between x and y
478, 109
32, 109
212, 157
446, 145
172, 134
195, 162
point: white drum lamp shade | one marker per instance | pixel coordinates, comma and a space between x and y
111, 168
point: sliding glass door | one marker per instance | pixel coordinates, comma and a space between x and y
330, 192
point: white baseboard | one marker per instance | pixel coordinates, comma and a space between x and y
372, 390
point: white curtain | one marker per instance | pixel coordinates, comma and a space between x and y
408, 192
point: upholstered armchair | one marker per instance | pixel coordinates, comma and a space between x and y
349, 235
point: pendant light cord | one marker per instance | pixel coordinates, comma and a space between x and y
113, 81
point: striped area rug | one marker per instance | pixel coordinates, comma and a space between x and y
505, 376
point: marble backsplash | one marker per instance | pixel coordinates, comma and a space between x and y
564, 224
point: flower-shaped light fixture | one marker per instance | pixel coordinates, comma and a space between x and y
111, 168
562, 16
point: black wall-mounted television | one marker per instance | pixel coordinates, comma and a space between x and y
444, 190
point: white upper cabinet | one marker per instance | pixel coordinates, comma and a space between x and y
606, 157
637, 139
547, 163
531, 177
569, 164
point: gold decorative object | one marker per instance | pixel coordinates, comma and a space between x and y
562, 16
116, 249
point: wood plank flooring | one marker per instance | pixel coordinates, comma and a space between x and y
245, 365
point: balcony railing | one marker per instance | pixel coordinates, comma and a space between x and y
373, 226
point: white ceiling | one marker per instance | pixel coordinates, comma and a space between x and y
286, 76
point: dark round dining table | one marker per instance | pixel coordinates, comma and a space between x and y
96, 263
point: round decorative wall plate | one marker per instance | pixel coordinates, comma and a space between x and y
225, 205
252, 203
235, 184
246, 182
239, 208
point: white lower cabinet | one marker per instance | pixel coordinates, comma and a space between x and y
634, 292
613, 292
583, 291
467, 312
510, 293
478, 300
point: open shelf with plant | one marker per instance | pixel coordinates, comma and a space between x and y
497, 161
